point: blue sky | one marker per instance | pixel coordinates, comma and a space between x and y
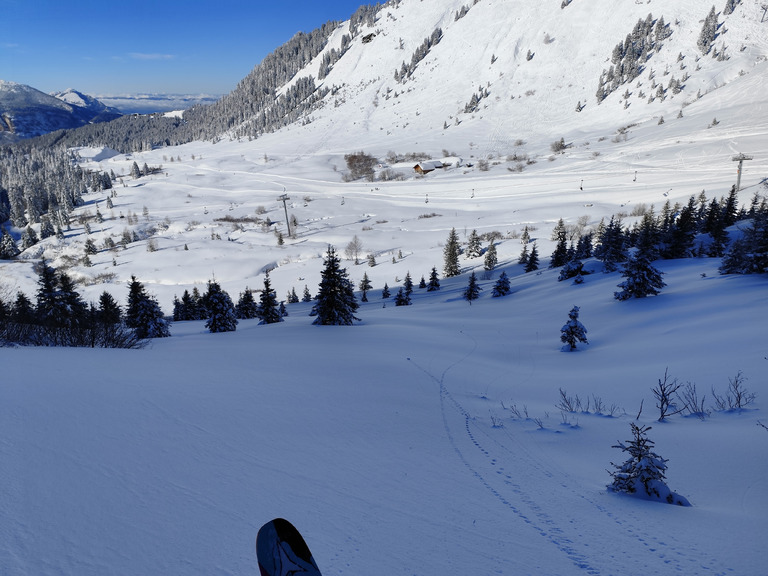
109, 47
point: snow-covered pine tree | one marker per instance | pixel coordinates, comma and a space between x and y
246, 307
28, 238
730, 6
336, 303
501, 288
385, 291
708, 32
644, 472
269, 312
491, 258
474, 248
422, 283
307, 295
642, 279
143, 313
451, 255
8, 248
573, 331
572, 269
472, 291
434, 281
222, 312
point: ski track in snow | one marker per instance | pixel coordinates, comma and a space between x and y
565, 533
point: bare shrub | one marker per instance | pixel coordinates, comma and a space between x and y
360, 165
737, 397
558, 146
388, 175
690, 397
665, 393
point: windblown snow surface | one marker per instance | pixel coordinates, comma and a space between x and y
427, 439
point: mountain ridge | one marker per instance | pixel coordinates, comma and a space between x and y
27, 112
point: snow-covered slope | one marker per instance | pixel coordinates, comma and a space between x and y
487, 51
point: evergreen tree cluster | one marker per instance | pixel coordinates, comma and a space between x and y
407, 70
60, 317
629, 57
708, 32
38, 182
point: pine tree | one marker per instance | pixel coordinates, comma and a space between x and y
365, 285
572, 269
143, 313
246, 307
8, 248
491, 259
22, 311
408, 284
451, 255
524, 255
109, 310
472, 291
402, 298
28, 238
422, 283
385, 291
90, 247
642, 279
560, 255
222, 312
501, 288
293, 298
708, 32
474, 249
269, 312
611, 245
336, 303
307, 295
533, 260
644, 472
573, 331
434, 281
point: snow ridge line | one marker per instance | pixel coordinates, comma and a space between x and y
552, 532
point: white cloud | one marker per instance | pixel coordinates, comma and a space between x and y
143, 56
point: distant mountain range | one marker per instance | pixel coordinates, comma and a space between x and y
26, 112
